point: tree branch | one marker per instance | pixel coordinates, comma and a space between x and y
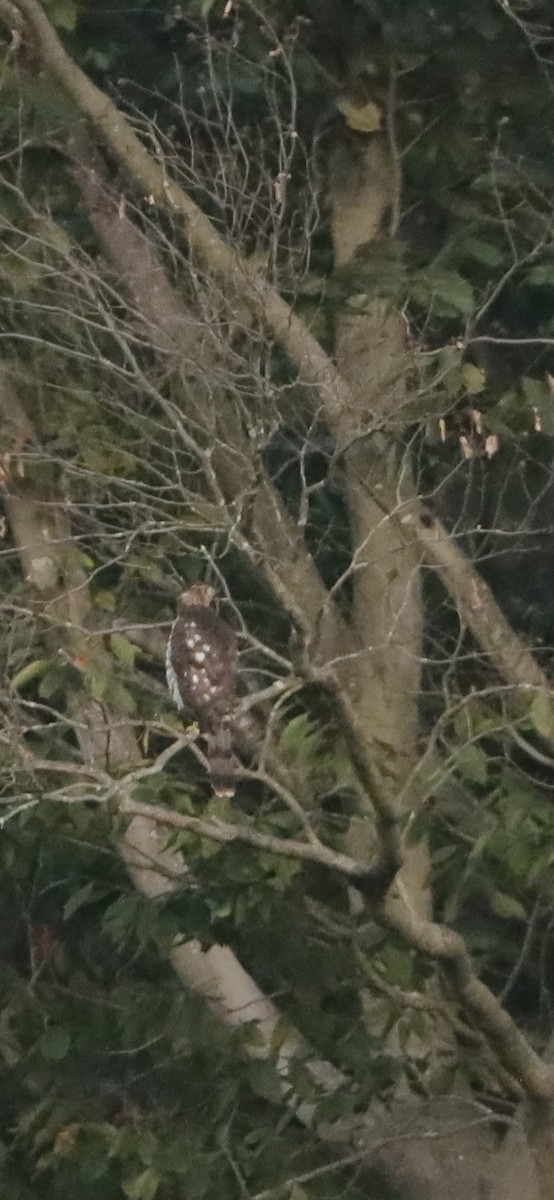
216, 974
313, 364
476, 604
222, 831
268, 535
436, 941
315, 368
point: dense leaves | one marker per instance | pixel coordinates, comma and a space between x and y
114, 1080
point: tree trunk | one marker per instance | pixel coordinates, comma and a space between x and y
387, 607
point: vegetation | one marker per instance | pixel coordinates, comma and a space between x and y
276, 287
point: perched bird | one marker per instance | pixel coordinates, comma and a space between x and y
201, 672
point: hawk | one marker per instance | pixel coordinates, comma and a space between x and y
201, 672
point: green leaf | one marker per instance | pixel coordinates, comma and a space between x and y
143, 1186
474, 378
447, 292
97, 684
148, 1147
62, 14
98, 58
264, 1080
93, 1164
535, 391
105, 599
482, 251
542, 715
398, 964
471, 762
58, 678
542, 275
31, 671
79, 899
507, 907
85, 560
298, 735
539, 398
121, 699
54, 1043
123, 649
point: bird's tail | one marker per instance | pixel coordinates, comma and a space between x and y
222, 764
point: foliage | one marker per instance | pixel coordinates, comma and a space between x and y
113, 1079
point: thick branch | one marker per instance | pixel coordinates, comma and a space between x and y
477, 606
512, 1048
473, 597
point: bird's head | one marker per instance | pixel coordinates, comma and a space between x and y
200, 595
